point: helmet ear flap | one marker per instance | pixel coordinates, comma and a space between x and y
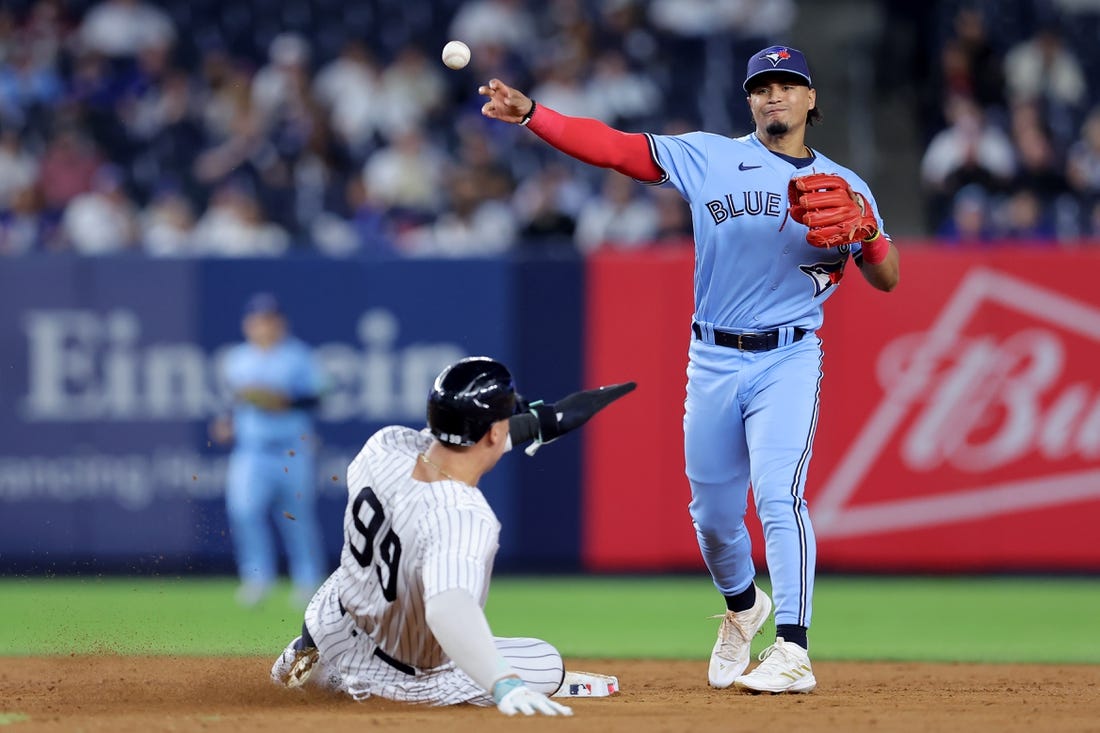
467, 398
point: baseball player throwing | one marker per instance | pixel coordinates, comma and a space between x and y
402, 616
775, 224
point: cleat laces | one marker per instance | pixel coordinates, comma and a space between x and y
725, 633
775, 660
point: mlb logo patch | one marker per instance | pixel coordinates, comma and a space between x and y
587, 684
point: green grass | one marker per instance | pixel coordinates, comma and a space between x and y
998, 619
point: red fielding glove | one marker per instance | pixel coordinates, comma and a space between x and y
834, 213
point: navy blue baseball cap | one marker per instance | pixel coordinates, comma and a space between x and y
778, 59
262, 303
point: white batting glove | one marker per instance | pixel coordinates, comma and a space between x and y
522, 699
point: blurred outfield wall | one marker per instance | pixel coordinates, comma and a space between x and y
959, 427
110, 376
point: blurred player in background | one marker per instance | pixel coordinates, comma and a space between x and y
275, 382
775, 223
402, 617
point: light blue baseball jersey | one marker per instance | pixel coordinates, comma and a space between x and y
289, 368
750, 417
754, 270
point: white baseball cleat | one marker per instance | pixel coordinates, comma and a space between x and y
294, 666
730, 656
302, 668
784, 667
251, 594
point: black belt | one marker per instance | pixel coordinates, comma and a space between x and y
758, 341
399, 666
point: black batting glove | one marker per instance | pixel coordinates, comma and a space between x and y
546, 422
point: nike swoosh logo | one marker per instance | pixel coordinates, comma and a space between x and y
744, 167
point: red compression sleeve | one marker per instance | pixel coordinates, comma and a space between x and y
593, 142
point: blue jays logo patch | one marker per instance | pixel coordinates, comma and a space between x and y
776, 56
824, 274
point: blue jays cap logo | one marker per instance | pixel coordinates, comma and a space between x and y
776, 56
777, 59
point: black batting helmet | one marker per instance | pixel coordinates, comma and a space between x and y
468, 397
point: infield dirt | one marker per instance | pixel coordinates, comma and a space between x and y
117, 693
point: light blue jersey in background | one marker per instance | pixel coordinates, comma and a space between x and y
271, 475
289, 368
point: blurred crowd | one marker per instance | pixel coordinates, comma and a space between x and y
183, 128
261, 127
1012, 112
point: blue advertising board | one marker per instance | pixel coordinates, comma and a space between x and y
109, 378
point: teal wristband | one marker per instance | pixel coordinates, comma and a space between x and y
504, 686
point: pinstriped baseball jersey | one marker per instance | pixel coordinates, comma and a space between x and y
405, 542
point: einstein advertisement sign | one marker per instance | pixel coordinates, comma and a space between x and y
112, 374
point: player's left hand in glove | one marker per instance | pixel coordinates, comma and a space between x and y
545, 422
834, 213
516, 697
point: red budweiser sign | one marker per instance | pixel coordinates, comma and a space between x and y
977, 444
959, 429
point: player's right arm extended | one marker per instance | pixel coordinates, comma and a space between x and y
587, 140
595, 143
459, 625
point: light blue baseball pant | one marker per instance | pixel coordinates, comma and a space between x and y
750, 418
260, 486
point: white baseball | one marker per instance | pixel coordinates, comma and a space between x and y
456, 54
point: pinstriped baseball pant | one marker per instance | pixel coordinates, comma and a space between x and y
351, 662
